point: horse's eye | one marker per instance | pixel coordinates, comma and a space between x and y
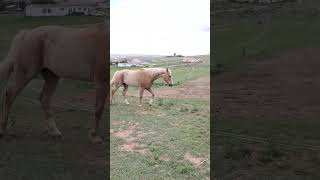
169, 76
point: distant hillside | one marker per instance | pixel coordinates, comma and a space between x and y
129, 57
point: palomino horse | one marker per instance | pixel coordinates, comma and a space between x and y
143, 78
57, 52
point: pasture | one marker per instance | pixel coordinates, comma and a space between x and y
170, 139
266, 110
28, 154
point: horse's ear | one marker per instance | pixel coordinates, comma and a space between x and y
167, 70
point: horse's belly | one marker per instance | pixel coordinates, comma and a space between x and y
131, 80
77, 72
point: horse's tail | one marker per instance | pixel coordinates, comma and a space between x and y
112, 82
6, 66
114, 77
117, 78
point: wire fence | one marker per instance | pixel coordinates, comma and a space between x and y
267, 141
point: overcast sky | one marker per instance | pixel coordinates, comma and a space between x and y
160, 27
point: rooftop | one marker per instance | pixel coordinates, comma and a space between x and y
64, 5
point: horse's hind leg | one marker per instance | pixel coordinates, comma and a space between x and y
101, 95
114, 88
151, 100
16, 83
141, 94
49, 87
124, 93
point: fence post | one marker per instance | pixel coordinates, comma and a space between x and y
243, 51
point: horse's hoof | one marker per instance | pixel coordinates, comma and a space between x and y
96, 140
2, 133
54, 134
140, 105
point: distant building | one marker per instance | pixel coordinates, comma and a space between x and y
60, 9
258, 1
125, 65
191, 60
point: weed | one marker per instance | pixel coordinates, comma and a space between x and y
194, 109
160, 102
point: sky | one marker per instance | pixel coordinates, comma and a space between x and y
160, 27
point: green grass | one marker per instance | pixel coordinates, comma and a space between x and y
281, 33
172, 127
172, 133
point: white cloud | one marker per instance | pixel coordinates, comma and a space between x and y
160, 27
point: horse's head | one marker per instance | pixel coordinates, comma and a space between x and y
167, 77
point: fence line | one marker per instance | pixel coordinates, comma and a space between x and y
265, 140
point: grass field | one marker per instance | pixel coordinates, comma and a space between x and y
166, 141
169, 140
261, 130
278, 34
29, 154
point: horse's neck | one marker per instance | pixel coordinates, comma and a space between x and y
157, 74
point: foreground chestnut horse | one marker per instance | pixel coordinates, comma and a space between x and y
143, 78
57, 52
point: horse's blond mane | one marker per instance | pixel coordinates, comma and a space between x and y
154, 72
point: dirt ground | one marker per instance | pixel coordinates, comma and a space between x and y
288, 85
196, 89
275, 98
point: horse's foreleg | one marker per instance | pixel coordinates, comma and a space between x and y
151, 100
50, 85
15, 85
124, 93
101, 96
141, 94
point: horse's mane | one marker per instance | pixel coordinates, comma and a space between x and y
155, 71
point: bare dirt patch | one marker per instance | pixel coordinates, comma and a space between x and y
131, 137
195, 89
196, 161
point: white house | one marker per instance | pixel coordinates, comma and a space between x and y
124, 65
191, 60
60, 9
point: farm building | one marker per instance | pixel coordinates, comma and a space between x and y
61, 9
259, 1
191, 60
125, 65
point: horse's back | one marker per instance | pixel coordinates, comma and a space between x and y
75, 52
